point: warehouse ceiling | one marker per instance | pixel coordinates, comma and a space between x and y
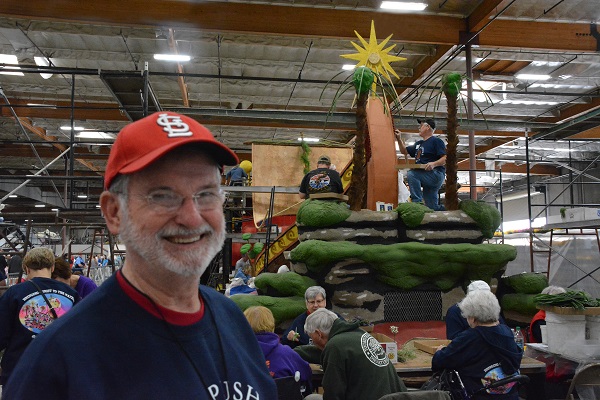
270, 71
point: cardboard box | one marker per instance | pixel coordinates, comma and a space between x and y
430, 346
389, 346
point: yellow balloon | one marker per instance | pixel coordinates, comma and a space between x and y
246, 166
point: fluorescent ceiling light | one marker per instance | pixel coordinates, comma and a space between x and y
402, 6
13, 196
82, 196
40, 205
68, 128
41, 105
94, 135
348, 67
54, 209
172, 57
529, 102
308, 139
532, 77
42, 62
517, 195
9, 59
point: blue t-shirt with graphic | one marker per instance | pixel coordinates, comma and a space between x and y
426, 151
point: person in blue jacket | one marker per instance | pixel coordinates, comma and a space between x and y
455, 322
150, 331
486, 352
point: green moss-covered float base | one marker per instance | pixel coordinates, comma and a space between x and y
488, 218
288, 284
322, 213
412, 213
519, 302
283, 308
408, 265
527, 282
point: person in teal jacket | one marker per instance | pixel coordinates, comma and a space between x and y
355, 366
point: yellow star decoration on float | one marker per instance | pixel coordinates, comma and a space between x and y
373, 56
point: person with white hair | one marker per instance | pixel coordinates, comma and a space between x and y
315, 298
485, 353
455, 322
539, 319
150, 331
355, 366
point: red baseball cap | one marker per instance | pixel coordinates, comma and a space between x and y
142, 142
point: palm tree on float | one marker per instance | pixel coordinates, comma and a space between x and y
372, 71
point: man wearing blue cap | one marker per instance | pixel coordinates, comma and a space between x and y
424, 183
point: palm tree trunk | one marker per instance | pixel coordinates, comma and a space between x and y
451, 162
358, 182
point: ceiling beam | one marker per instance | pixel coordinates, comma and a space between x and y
482, 14
590, 134
62, 110
482, 149
306, 21
42, 134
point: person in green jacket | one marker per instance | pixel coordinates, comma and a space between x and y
354, 364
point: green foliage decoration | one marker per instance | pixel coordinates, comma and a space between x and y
526, 282
412, 213
363, 79
304, 156
408, 265
283, 308
521, 303
487, 217
451, 84
288, 284
322, 213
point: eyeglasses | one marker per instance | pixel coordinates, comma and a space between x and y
170, 201
315, 302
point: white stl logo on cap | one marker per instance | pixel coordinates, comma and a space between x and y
173, 125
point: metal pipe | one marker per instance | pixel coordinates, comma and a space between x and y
37, 173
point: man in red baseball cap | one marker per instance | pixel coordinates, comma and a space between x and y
150, 331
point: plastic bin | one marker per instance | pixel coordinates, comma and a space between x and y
565, 332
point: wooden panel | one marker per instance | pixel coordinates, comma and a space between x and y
381, 168
278, 165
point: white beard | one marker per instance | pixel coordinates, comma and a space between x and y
185, 263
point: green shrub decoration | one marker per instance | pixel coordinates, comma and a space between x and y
304, 156
322, 213
363, 79
412, 213
487, 217
451, 84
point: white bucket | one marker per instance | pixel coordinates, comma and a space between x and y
592, 328
564, 332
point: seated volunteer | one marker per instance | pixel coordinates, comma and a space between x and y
315, 298
539, 319
355, 366
321, 180
455, 322
281, 360
485, 353
30, 307
150, 331
424, 184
